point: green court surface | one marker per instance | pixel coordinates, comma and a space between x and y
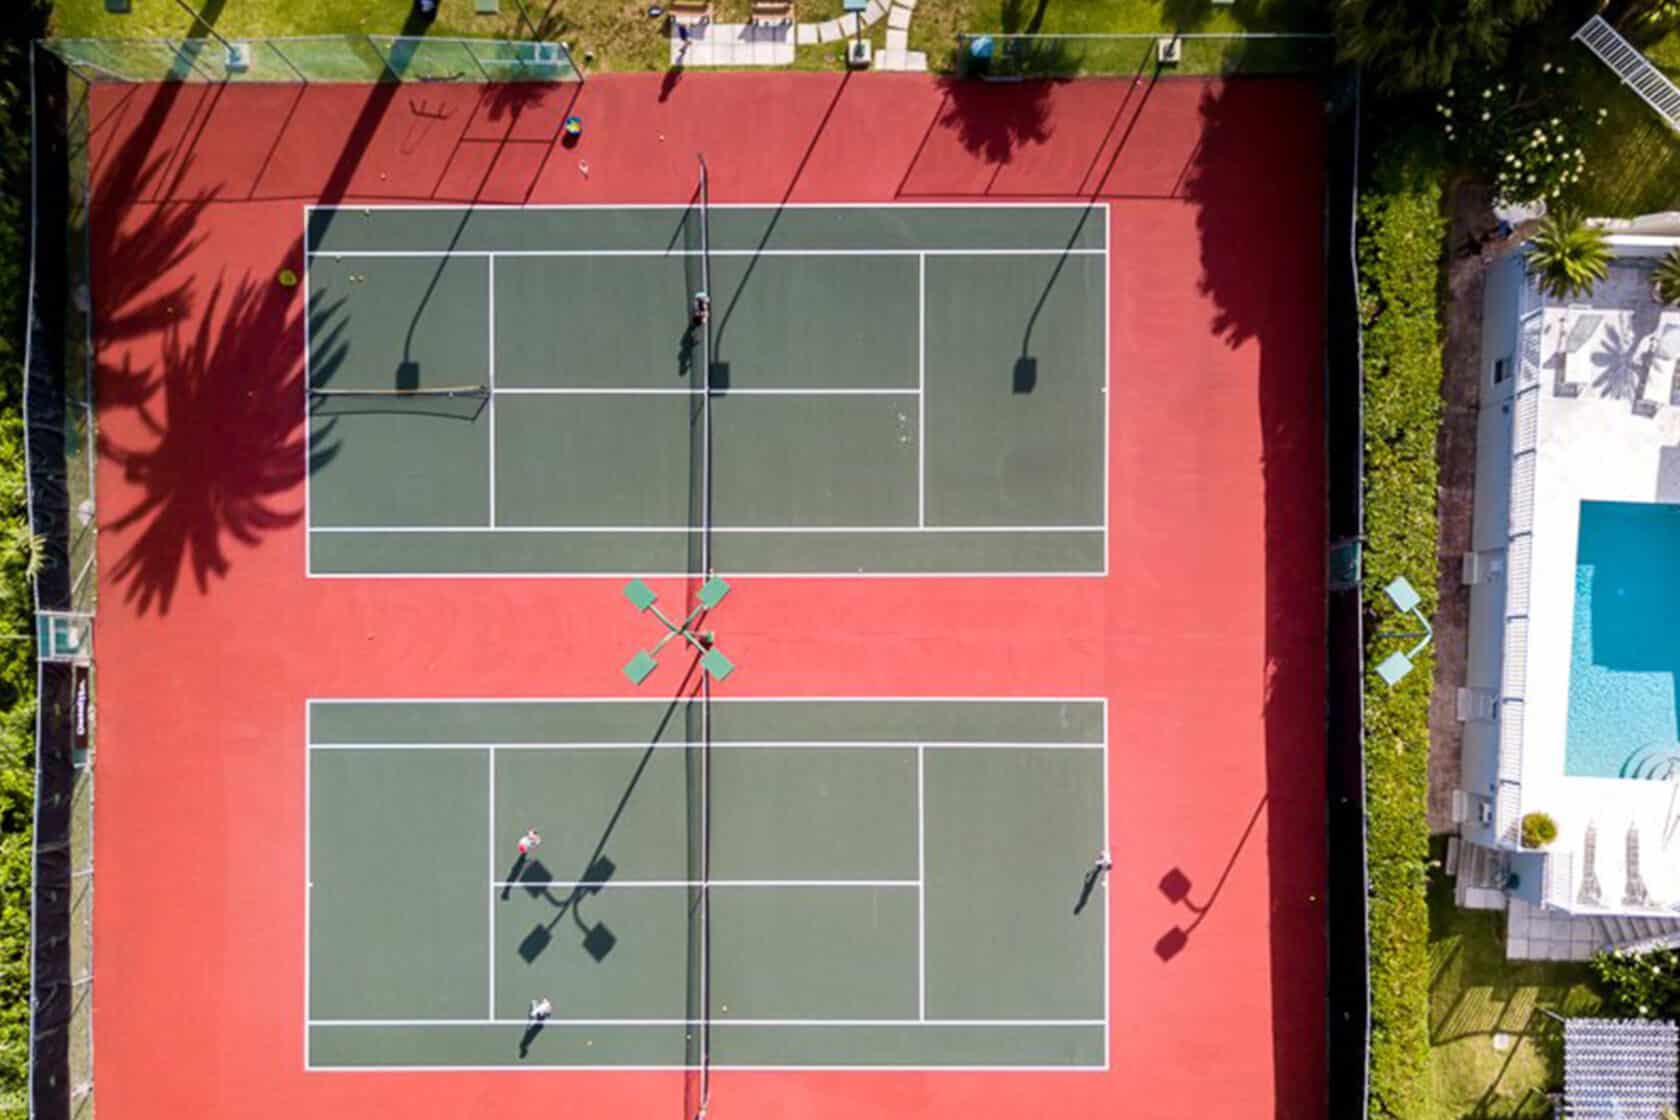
863, 883
916, 389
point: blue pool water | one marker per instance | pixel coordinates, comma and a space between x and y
1626, 648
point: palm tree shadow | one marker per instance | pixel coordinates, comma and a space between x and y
223, 440
1011, 17
994, 121
1619, 373
128, 257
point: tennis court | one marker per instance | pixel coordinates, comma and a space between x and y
403, 421
834, 883
895, 389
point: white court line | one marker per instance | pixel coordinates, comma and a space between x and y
682, 207
710, 1065
921, 884
308, 383
490, 405
1108, 896
651, 884
921, 391
362, 254
695, 391
685, 529
1107, 398
308, 871
664, 701
734, 574
557, 1022
490, 858
921, 253
680, 746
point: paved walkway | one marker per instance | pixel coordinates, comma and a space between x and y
705, 43
1456, 457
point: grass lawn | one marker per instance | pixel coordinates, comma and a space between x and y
622, 37
1475, 994
938, 22
1633, 159
619, 32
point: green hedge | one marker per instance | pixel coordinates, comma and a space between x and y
17, 662
1400, 245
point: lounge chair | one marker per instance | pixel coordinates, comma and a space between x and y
690, 12
1592, 892
1635, 892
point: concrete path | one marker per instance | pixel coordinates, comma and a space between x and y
705, 43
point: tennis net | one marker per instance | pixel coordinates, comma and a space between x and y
697, 262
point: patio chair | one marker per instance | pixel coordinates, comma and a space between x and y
1635, 893
1583, 323
1592, 891
772, 11
690, 12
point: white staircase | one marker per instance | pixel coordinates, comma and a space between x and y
1633, 68
1638, 933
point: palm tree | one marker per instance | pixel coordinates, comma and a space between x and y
1411, 45
1569, 256
1666, 280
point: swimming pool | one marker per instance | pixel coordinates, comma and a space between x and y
1625, 652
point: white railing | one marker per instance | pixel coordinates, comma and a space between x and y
1633, 68
1519, 525
1559, 882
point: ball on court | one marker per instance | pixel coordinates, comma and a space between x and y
287, 278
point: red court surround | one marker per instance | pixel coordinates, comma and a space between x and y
1206, 637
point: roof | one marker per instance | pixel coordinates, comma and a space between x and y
1619, 1069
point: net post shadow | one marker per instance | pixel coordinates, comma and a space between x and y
1176, 886
598, 868
1024, 377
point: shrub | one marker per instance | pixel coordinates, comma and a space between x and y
1666, 279
1538, 830
20, 23
1400, 244
1569, 256
1641, 985
1526, 137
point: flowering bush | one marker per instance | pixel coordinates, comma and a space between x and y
1641, 985
1527, 138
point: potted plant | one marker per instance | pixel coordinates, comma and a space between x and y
1538, 830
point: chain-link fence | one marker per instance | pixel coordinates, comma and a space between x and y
1002, 57
58, 415
318, 58
61, 423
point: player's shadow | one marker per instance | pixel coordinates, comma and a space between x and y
1087, 888
532, 1030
